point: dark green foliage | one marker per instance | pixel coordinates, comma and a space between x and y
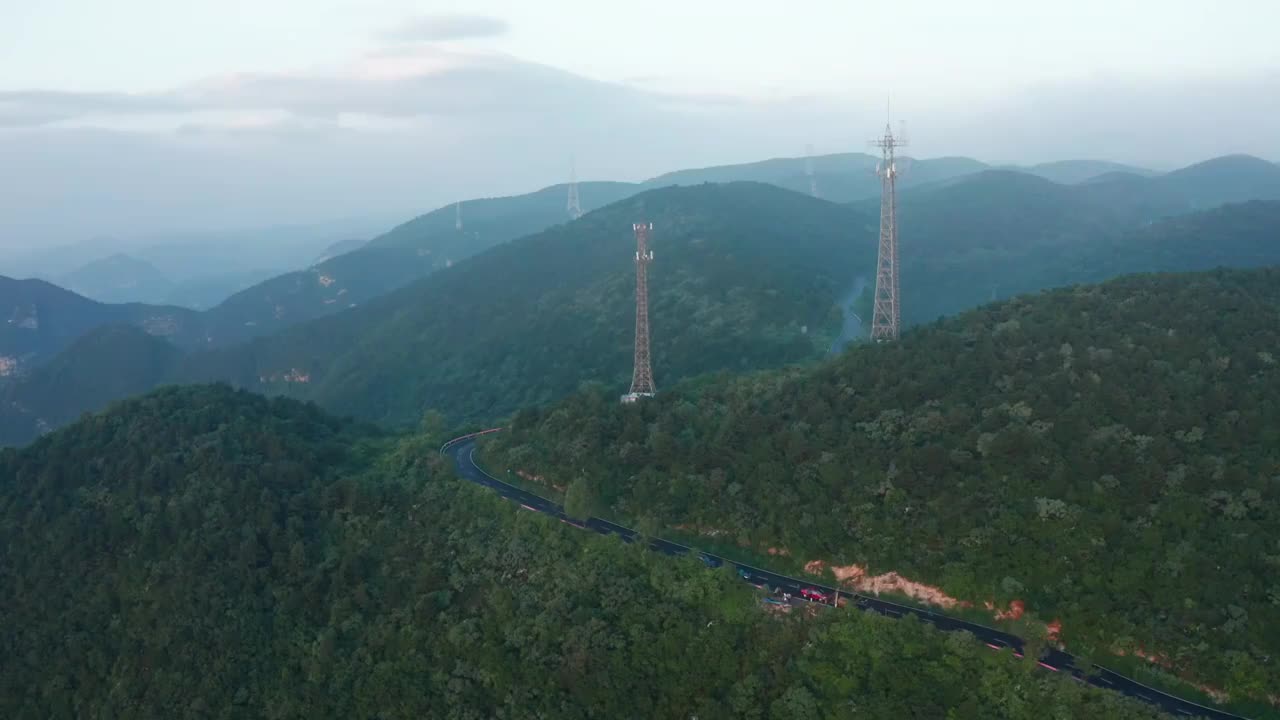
40, 319
106, 364
205, 553
746, 277
1001, 233
390, 261
1109, 454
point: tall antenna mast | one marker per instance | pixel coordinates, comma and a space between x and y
808, 170
886, 314
575, 207
457, 215
642, 376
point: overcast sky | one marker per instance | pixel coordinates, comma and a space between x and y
140, 115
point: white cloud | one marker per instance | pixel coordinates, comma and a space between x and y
435, 28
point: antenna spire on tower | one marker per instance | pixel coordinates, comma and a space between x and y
886, 314
575, 207
642, 375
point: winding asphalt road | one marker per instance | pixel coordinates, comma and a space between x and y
463, 450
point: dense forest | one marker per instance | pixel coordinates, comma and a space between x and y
1002, 233
44, 319
58, 392
1108, 455
748, 276
207, 553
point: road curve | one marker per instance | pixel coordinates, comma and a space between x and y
462, 451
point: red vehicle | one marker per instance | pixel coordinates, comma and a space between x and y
815, 595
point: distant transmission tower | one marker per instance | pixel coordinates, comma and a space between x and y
457, 215
642, 376
886, 315
575, 207
808, 170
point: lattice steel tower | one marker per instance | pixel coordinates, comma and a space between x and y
575, 207
886, 313
642, 376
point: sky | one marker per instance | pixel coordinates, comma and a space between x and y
140, 116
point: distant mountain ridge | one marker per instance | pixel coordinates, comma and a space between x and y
119, 278
993, 234
965, 240
39, 319
849, 177
392, 260
750, 277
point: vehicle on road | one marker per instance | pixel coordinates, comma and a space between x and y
710, 560
815, 595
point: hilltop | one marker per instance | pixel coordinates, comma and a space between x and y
201, 552
388, 262
747, 276
1104, 456
842, 177
1000, 233
41, 319
119, 278
105, 364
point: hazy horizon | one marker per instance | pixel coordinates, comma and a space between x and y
218, 118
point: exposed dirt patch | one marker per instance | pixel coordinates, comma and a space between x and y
1016, 610
539, 479
856, 577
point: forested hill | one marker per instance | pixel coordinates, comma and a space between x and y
39, 319
44, 319
393, 260
106, 364
842, 177
1109, 455
491, 221
747, 276
207, 553
1001, 233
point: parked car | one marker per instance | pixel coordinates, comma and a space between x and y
815, 595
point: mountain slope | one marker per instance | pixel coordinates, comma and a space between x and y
206, 553
746, 276
393, 260
105, 364
1106, 455
1001, 233
40, 319
390, 261
1232, 178
1069, 172
841, 178
119, 278
491, 221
